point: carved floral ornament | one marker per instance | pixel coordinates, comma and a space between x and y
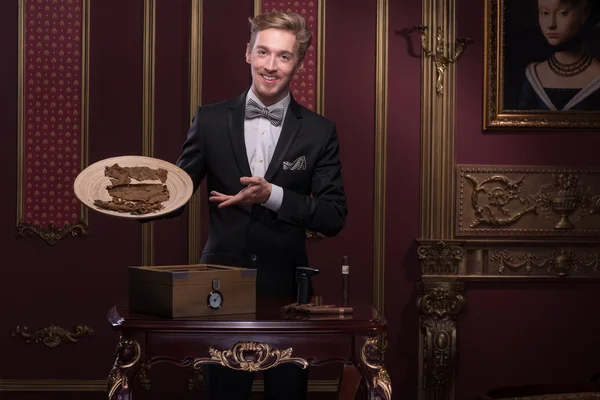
562, 262
250, 357
439, 305
370, 356
498, 200
52, 336
440, 258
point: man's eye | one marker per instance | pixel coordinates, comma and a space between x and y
262, 52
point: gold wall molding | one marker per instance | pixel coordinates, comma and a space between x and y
437, 253
263, 357
527, 201
53, 233
148, 95
52, 336
437, 132
381, 128
195, 76
439, 304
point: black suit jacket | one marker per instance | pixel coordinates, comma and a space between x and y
313, 198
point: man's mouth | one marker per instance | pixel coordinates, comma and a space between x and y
269, 78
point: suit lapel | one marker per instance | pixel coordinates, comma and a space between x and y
291, 127
235, 123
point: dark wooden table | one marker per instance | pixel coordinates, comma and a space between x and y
251, 342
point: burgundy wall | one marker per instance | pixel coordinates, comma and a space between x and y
514, 334
76, 281
402, 197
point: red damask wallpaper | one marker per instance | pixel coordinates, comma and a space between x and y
52, 116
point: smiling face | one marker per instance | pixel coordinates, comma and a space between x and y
273, 60
561, 20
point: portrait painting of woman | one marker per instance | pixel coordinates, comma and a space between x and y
545, 73
569, 79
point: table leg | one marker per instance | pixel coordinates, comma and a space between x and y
349, 383
373, 371
123, 372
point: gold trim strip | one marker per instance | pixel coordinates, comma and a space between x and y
194, 224
81, 225
20, 116
321, 57
148, 113
257, 7
381, 80
99, 385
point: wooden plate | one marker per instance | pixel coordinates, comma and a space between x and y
91, 184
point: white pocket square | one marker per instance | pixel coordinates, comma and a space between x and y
299, 164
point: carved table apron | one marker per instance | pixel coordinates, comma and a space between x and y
250, 342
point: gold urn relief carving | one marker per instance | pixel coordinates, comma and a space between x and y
378, 377
440, 258
560, 262
250, 357
52, 336
495, 200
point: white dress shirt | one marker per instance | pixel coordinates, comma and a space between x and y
261, 138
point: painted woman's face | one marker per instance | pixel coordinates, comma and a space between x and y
561, 20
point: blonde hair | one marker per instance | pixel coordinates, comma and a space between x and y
286, 20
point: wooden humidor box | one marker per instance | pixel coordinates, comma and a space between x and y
177, 291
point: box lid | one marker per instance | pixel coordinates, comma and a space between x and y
192, 274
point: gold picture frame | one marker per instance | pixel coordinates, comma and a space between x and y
516, 43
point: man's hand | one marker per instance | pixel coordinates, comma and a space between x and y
257, 190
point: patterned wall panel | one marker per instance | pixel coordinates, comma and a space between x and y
521, 201
307, 84
52, 117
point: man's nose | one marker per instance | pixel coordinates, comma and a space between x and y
271, 64
552, 22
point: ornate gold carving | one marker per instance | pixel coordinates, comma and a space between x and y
440, 258
52, 336
439, 304
439, 57
250, 356
52, 234
499, 201
562, 262
371, 357
128, 355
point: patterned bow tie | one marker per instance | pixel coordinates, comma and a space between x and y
254, 110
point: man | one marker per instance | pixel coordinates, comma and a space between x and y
273, 172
